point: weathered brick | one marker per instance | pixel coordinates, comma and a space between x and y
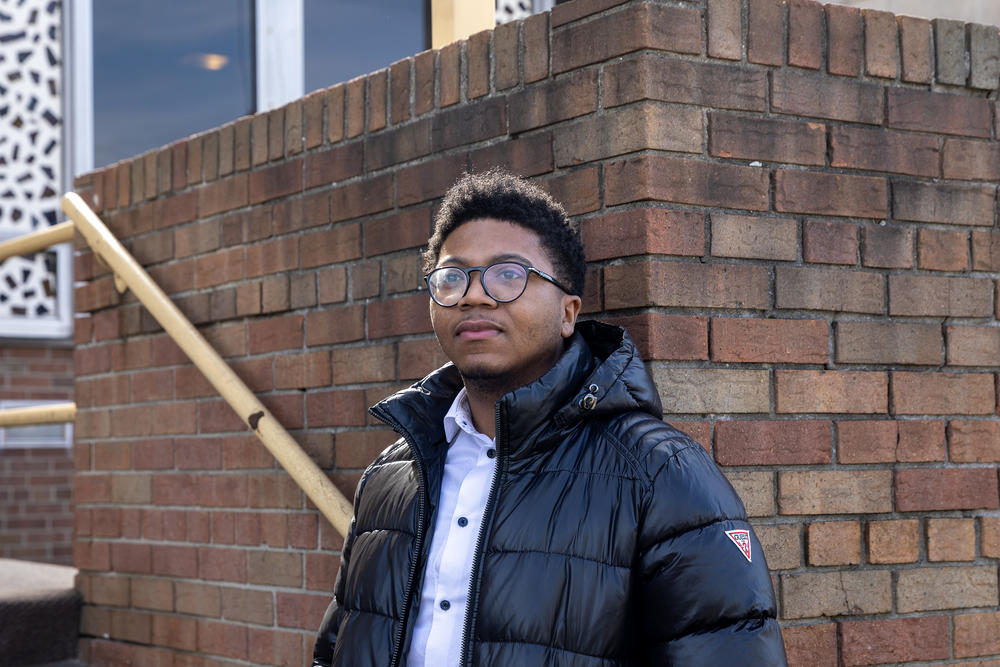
399, 91
952, 66
694, 390
895, 640
834, 543
633, 128
939, 296
835, 492
831, 391
830, 194
805, 94
828, 289
844, 39
943, 202
765, 19
395, 317
333, 165
884, 441
828, 242
973, 346
468, 124
977, 634
685, 284
335, 325
535, 53
769, 340
814, 645
951, 539
430, 180
549, 102
974, 441
767, 139
335, 114
942, 393
772, 442
876, 149
223, 195
836, 593
971, 160
943, 113
725, 32
756, 489
939, 250
915, 49
660, 336
505, 55
893, 541
398, 145
888, 343
990, 536
716, 85
361, 198
407, 229
880, 43
932, 588
477, 64
984, 56
449, 74
576, 11
686, 181
423, 82
373, 363
643, 231
922, 489
753, 237
985, 251
637, 27
781, 545
354, 106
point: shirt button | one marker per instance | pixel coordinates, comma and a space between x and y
445, 605
491, 453
463, 522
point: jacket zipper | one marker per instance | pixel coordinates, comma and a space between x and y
473, 594
397, 646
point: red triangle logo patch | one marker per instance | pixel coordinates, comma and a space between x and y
741, 538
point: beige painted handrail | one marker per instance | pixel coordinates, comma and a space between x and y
334, 506
38, 240
54, 413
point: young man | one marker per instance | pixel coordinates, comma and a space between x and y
536, 510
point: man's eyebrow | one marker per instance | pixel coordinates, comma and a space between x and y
453, 260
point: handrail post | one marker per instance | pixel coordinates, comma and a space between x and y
333, 505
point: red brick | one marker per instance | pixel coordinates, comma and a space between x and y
505, 55
813, 645
468, 124
477, 64
302, 371
354, 107
330, 245
417, 358
575, 11
764, 17
753, 237
222, 564
524, 157
399, 74
805, 94
894, 640
275, 134
769, 340
223, 195
355, 365
279, 333
336, 325
943, 113
830, 194
876, 149
951, 539
844, 39
725, 30
888, 343
939, 296
990, 536
300, 610
361, 198
939, 250
942, 393
275, 568
333, 165
336, 408
915, 49
449, 77
946, 588
985, 251
880, 43
828, 289
770, 140
974, 441
885, 441
535, 51
943, 202
225, 639
676, 29
130, 557
430, 180
834, 543
686, 181
335, 114
715, 85
402, 144
805, 34
925, 489
549, 102
578, 191
423, 86
684, 284
835, 492
977, 634
313, 114
797, 442
396, 317
831, 391
273, 256
894, 541
377, 99
643, 231
970, 160
409, 228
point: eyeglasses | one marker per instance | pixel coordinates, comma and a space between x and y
503, 282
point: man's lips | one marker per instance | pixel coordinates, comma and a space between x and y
477, 329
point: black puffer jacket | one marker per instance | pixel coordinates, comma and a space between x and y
604, 539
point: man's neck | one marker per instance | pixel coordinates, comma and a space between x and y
482, 407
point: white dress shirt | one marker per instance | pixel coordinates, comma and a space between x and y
468, 474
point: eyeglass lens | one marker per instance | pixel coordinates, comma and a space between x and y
503, 282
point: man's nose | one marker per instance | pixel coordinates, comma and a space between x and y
476, 294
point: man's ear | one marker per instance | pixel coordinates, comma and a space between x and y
571, 305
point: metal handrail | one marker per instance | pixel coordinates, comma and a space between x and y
36, 241
53, 413
316, 485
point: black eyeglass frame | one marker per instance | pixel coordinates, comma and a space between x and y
482, 272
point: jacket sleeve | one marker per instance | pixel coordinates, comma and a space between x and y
326, 639
704, 593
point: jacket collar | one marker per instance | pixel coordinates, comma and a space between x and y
599, 374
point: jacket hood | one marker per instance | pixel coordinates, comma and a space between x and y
599, 374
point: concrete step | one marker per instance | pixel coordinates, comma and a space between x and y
39, 614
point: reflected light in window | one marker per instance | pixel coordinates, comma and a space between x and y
209, 61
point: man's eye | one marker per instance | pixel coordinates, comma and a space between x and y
452, 277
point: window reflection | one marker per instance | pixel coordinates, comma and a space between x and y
348, 38
165, 70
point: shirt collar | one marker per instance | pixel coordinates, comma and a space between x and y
460, 418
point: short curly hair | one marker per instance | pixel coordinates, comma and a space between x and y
503, 196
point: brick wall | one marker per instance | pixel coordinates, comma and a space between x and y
36, 516
791, 206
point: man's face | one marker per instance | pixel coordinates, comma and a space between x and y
509, 344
